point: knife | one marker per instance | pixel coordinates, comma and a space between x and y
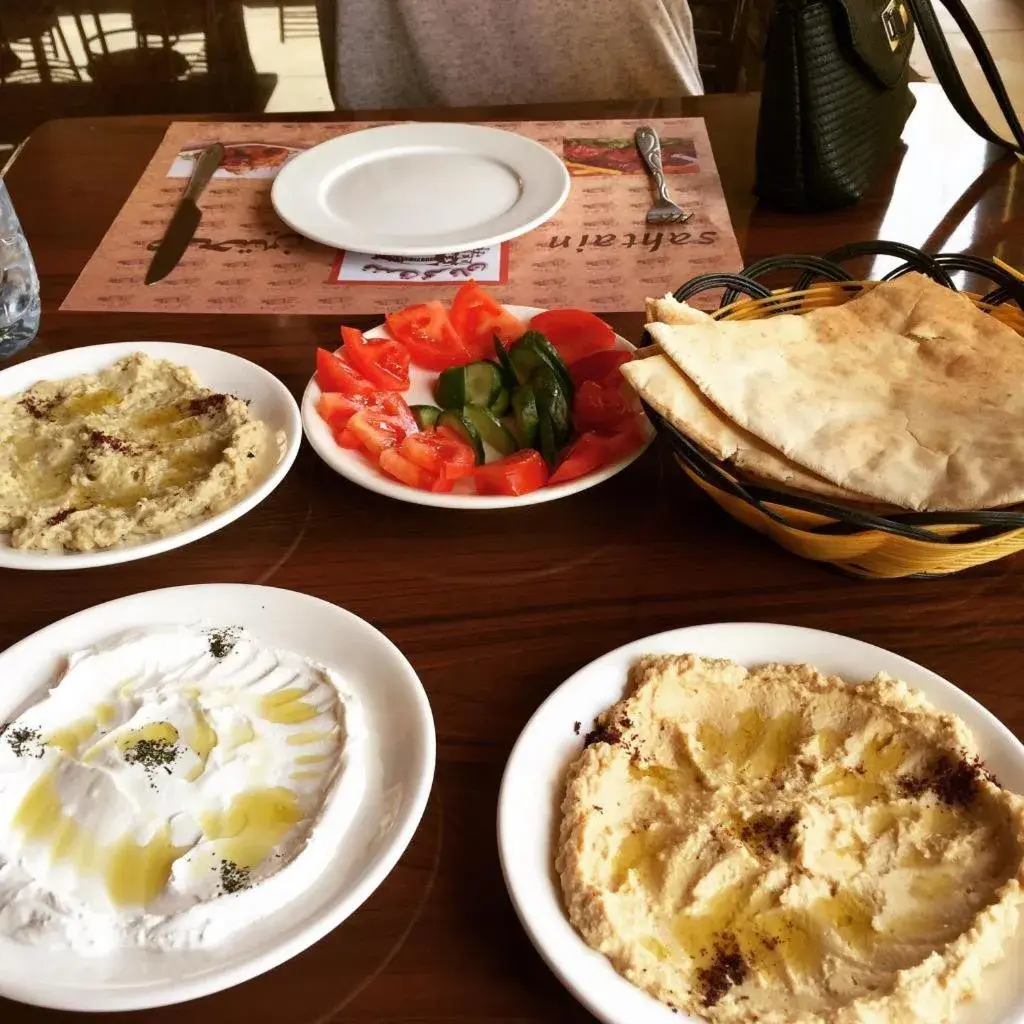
186, 217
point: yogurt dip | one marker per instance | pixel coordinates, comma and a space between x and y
175, 786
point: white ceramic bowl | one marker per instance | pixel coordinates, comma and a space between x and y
269, 401
360, 470
399, 763
534, 785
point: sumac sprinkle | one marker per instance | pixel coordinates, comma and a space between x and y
727, 968
768, 833
207, 404
35, 408
58, 517
602, 734
954, 780
100, 440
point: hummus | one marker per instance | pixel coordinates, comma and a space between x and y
778, 846
136, 451
175, 787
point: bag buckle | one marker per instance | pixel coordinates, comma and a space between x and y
896, 20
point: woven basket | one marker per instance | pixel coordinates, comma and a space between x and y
859, 541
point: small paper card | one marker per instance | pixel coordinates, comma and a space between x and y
487, 266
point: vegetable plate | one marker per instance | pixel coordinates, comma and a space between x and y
478, 405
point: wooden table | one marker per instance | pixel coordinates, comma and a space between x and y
495, 609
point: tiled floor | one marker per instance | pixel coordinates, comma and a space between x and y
1002, 24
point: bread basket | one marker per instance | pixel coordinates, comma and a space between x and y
858, 541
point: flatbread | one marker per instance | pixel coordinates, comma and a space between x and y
669, 310
672, 394
909, 395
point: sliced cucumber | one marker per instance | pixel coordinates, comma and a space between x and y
532, 352
553, 403
507, 369
454, 420
500, 404
525, 360
524, 409
426, 415
490, 428
546, 440
476, 384
544, 347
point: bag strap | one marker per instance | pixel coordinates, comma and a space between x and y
934, 39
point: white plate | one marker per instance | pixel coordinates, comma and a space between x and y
269, 401
356, 467
533, 787
400, 754
420, 189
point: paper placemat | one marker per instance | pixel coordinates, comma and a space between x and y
597, 252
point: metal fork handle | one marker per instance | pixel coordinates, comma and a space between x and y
650, 150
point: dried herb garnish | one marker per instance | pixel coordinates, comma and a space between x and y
222, 641
233, 877
25, 742
152, 755
727, 968
770, 834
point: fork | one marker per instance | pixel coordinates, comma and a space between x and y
664, 211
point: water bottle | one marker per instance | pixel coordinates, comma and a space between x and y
19, 283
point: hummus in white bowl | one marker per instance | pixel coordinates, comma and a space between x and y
780, 846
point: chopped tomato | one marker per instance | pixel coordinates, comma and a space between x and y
346, 439
428, 334
376, 432
591, 451
336, 409
335, 373
587, 453
441, 452
392, 463
629, 436
478, 318
382, 361
520, 473
602, 367
596, 407
574, 332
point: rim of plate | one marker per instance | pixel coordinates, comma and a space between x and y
355, 467
91, 358
173, 989
295, 191
536, 767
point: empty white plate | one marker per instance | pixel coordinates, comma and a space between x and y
269, 400
398, 759
420, 189
534, 785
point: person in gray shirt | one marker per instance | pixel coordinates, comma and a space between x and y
412, 53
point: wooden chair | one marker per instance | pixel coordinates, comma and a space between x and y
720, 27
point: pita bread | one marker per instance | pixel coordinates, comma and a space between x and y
668, 310
673, 395
909, 395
